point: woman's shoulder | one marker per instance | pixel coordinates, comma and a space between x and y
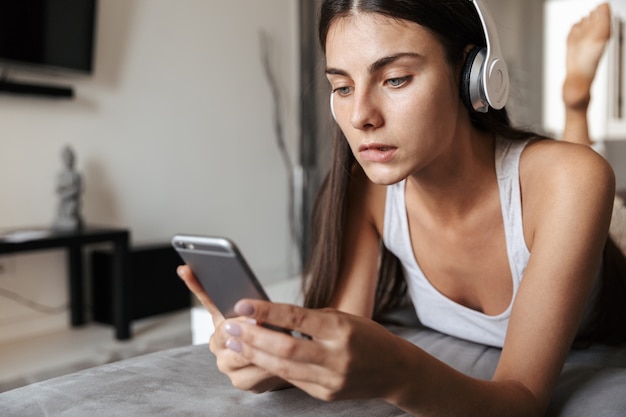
551, 169
562, 183
548, 160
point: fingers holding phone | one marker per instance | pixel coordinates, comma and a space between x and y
341, 360
215, 266
243, 374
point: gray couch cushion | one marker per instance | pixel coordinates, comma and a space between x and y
186, 382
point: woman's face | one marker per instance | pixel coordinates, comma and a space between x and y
395, 96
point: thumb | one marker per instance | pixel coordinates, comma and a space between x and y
184, 272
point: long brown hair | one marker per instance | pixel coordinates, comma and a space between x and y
322, 269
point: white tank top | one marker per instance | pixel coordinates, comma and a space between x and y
434, 309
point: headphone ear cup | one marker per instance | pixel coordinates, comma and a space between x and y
472, 89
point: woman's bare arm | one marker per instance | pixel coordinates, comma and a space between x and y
567, 192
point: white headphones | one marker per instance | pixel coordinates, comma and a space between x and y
485, 77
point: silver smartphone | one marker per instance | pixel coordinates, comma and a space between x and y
221, 270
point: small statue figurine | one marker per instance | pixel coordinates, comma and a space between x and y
69, 189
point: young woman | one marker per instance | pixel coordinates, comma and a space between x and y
498, 233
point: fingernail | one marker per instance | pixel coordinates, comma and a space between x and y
244, 309
234, 345
233, 329
179, 270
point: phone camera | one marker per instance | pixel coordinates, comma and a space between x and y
185, 245
182, 245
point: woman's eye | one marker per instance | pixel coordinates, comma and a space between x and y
343, 91
397, 82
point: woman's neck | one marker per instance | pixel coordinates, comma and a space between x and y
459, 180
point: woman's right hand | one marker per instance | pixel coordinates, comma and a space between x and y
243, 374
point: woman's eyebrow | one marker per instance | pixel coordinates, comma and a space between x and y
376, 65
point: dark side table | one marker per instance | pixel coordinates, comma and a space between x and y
74, 241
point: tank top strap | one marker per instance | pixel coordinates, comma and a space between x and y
507, 159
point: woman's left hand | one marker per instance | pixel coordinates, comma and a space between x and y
346, 357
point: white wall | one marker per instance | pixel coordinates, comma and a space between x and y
173, 133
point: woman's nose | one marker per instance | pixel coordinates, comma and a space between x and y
366, 113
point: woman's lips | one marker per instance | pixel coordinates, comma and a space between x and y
376, 152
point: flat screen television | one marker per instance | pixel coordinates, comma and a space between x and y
57, 34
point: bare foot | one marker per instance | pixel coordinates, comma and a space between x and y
585, 45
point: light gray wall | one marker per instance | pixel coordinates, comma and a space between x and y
173, 133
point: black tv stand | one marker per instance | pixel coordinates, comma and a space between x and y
13, 87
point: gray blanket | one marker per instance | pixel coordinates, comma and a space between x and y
185, 382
